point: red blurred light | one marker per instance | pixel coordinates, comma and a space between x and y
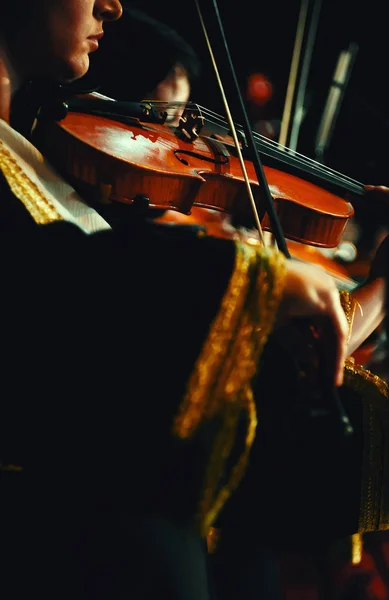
259, 89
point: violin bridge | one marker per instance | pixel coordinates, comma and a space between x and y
190, 124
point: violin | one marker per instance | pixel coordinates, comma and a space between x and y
123, 153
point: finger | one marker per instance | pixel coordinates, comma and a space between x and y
378, 188
377, 191
5, 92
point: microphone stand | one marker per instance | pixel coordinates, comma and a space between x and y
336, 93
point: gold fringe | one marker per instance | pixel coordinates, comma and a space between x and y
40, 208
349, 305
356, 548
374, 507
220, 382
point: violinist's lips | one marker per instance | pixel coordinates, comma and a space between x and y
95, 40
96, 37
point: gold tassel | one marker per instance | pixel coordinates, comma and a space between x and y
220, 385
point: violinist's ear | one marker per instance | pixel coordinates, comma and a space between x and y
5, 91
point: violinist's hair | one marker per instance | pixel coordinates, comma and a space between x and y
138, 52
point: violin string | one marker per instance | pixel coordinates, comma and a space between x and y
214, 119
317, 170
232, 127
275, 146
217, 119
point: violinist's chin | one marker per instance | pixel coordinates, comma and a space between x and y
94, 44
73, 68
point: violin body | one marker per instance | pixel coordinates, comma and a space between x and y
314, 256
112, 161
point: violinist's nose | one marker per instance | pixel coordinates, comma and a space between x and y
108, 10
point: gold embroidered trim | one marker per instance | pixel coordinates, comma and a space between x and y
40, 208
220, 382
349, 305
374, 507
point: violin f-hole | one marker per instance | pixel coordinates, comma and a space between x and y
223, 160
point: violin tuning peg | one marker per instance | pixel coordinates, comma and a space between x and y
190, 125
146, 108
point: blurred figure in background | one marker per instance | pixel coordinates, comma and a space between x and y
165, 67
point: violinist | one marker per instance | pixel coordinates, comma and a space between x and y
96, 406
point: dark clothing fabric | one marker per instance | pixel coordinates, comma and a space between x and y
302, 486
245, 571
304, 480
105, 554
99, 335
131, 314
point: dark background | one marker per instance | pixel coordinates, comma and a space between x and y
261, 38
